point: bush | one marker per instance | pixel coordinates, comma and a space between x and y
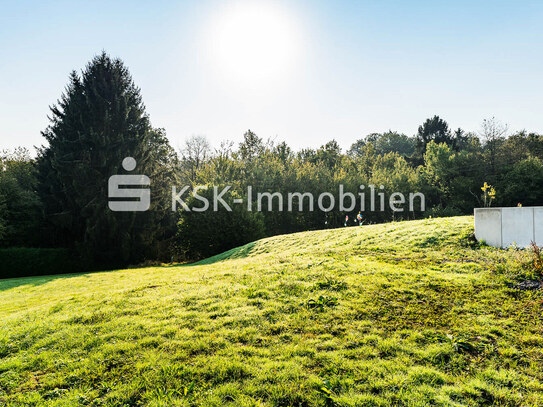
535, 266
204, 234
22, 262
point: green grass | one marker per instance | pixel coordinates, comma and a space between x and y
398, 314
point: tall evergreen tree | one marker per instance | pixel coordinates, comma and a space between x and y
98, 121
435, 129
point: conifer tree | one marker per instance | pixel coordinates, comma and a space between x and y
98, 121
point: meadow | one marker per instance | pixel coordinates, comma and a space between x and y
399, 314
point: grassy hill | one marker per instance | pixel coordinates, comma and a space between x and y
409, 313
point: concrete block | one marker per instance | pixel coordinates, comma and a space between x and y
488, 226
503, 227
517, 226
538, 226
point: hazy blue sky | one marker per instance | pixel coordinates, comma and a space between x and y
300, 71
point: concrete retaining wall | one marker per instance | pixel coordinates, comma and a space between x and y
503, 227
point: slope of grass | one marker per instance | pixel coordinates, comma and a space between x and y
395, 314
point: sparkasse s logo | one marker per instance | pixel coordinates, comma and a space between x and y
126, 192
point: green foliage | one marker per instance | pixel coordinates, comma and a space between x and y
536, 264
99, 121
3, 214
523, 183
328, 393
251, 147
205, 233
389, 142
453, 179
21, 262
20, 207
321, 303
329, 155
454, 166
434, 130
331, 284
523, 145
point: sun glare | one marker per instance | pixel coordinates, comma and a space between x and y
254, 43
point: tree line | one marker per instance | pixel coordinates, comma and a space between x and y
59, 199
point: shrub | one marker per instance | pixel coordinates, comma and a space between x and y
536, 264
22, 262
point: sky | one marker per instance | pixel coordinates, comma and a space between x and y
299, 71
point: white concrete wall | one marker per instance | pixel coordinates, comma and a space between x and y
503, 227
488, 226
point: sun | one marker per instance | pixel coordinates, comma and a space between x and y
254, 42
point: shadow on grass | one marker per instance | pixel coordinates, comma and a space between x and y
235, 253
13, 282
